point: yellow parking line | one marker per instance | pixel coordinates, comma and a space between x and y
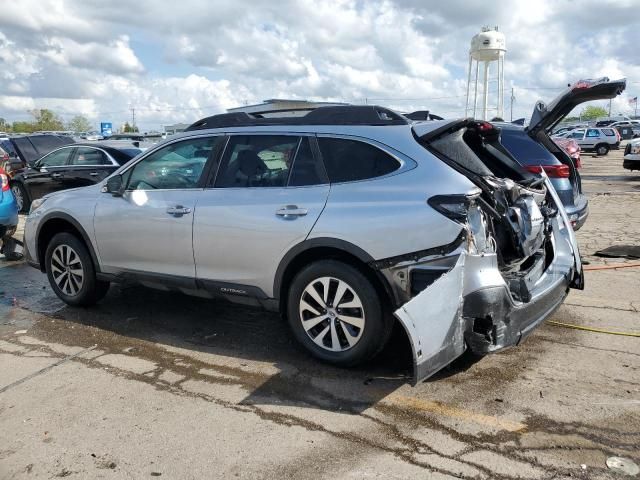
438, 408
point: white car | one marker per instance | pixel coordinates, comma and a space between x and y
632, 155
598, 140
633, 124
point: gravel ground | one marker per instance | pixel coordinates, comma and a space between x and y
171, 386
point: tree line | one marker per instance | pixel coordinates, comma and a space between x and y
47, 120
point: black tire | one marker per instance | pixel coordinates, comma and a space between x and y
602, 149
91, 290
377, 323
21, 196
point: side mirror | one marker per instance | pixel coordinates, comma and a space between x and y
114, 186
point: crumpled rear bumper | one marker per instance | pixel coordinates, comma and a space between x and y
472, 306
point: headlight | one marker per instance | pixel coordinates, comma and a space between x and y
635, 148
37, 203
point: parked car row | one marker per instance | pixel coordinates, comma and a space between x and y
598, 140
70, 166
338, 219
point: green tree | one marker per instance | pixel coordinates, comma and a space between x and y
45, 119
23, 127
592, 112
130, 128
79, 123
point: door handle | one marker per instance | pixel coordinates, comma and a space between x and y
291, 211
94, 174
56, 175
178, 211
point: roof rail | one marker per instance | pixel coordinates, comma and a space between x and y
341, 115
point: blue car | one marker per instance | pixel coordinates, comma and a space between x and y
8, 208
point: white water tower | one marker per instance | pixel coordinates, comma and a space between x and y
487, 47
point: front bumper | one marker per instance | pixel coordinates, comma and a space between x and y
631, 161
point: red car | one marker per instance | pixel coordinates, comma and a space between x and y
570, 146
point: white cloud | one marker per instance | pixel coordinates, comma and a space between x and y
178, 61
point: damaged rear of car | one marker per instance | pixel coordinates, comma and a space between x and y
516, 256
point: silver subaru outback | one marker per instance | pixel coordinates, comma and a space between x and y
347, 220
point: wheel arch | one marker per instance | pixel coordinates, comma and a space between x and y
58, 223
322, 249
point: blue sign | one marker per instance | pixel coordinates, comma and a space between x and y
106, 129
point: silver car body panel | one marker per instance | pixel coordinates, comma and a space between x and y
239, 237
136, 232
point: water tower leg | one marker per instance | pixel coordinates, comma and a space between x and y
486, 91
475, 92
466, 105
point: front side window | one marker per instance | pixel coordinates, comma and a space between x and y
178, 165
351, 160
579, 134
55, 159
86, 156
257, 161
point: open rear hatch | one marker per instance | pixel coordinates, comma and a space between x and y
545, 117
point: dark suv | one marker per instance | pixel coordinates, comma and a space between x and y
558, 166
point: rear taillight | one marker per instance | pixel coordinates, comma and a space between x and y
454, 207
577, 161
552, 171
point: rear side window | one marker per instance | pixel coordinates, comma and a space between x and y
526, 150
608, 132
307, 170
351, 160
257, 161
592, 132
86, 156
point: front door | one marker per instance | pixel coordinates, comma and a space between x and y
148, 230
268, 194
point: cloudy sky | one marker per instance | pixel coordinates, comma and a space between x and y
181, 60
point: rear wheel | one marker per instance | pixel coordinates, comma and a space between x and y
602, 149
335, 313
21, 196
71, 271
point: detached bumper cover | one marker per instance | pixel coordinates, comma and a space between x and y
471, 306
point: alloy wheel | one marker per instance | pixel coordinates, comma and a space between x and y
332, 314
17, 193
67, 270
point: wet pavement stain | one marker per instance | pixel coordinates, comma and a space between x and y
291, 387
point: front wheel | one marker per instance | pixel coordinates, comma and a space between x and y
336, 314
71, 271
602, 149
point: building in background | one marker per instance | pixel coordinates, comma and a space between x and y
175, 128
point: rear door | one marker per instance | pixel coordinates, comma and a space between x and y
267, 195
88, 165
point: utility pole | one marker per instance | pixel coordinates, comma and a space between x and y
512, 100
133, 117
610, 107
